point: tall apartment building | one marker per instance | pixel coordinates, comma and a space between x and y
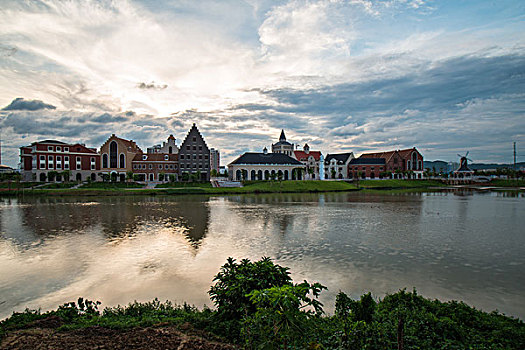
40, 158
194, 155
215, 160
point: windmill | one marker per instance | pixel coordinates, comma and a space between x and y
463, 165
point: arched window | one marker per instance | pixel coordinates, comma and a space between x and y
252, 175
238, 175
104, 160
286, 174
122, 161
113, 154
170, 150
266, 175
259, 175
414, 161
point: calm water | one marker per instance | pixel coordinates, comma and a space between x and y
448, 246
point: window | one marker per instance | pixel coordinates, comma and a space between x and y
66, 162
188, 147
144, 157
182, 166
194, 148
150, 166
200, 148
134, 166
206, 157
42, 162
122, 161
113, 154
160, 166
78, 163
194, 139
93, 165
66, 149
194, 156
200, 156
104, 160
171, 166
166, 157
50, 148
59, 149
182, 156
59, 162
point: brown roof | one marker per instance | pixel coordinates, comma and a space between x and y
403, 153
129, 143
155, 157
302, 155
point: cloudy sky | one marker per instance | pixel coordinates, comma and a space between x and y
343, 75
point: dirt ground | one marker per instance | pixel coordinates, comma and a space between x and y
43, 335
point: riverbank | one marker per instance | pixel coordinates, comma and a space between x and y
251, 187
268, 312
185, 189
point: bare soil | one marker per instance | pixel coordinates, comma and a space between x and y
43, 335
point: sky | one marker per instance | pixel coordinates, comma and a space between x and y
341, 75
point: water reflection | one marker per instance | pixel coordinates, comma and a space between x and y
118, 249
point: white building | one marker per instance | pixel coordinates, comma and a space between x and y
169, 147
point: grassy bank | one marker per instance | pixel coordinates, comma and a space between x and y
122, 189
399, 184
507, 183
272, 312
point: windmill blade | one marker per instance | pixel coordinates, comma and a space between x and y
466, 155
459, 155
470, 160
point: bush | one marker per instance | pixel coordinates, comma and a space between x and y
235, 281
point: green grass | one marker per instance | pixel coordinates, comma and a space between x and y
14, 184
184, 185
507, 183
111, 185
398, 184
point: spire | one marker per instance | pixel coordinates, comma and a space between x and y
282, 137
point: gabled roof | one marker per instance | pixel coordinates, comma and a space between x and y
403, 153
249, 158
302, 155
193, 131
368, 161
339, 157
128, 143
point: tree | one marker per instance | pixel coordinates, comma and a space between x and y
113, 177
198, 175
332, 172
214, 173
162, 176
52, 175
185, 176
129, 175
66, 174
43, 176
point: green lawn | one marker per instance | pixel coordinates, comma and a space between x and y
507, 183
398, 184
184, 185
59, 185
14, 184
111, 185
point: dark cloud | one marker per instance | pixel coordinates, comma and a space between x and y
152, 86
20, 104
105, 118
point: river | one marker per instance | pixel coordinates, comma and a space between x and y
462, 246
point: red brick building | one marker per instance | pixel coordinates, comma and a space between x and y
400, 161
366, 168
149, 166
43, 157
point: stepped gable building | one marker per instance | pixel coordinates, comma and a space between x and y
40, 158
194, 155
400, 160
366, 168
168, 147
156, 166
311, 160
265, 166
336, 165
117, 155
283, 146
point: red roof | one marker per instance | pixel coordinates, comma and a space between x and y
302, 155
403, 153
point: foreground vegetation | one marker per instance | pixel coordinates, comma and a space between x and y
259, 306
399, 184
507, 183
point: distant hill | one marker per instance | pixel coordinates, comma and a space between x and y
442, 166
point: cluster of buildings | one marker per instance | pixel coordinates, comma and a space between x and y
287, 162
121, 159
